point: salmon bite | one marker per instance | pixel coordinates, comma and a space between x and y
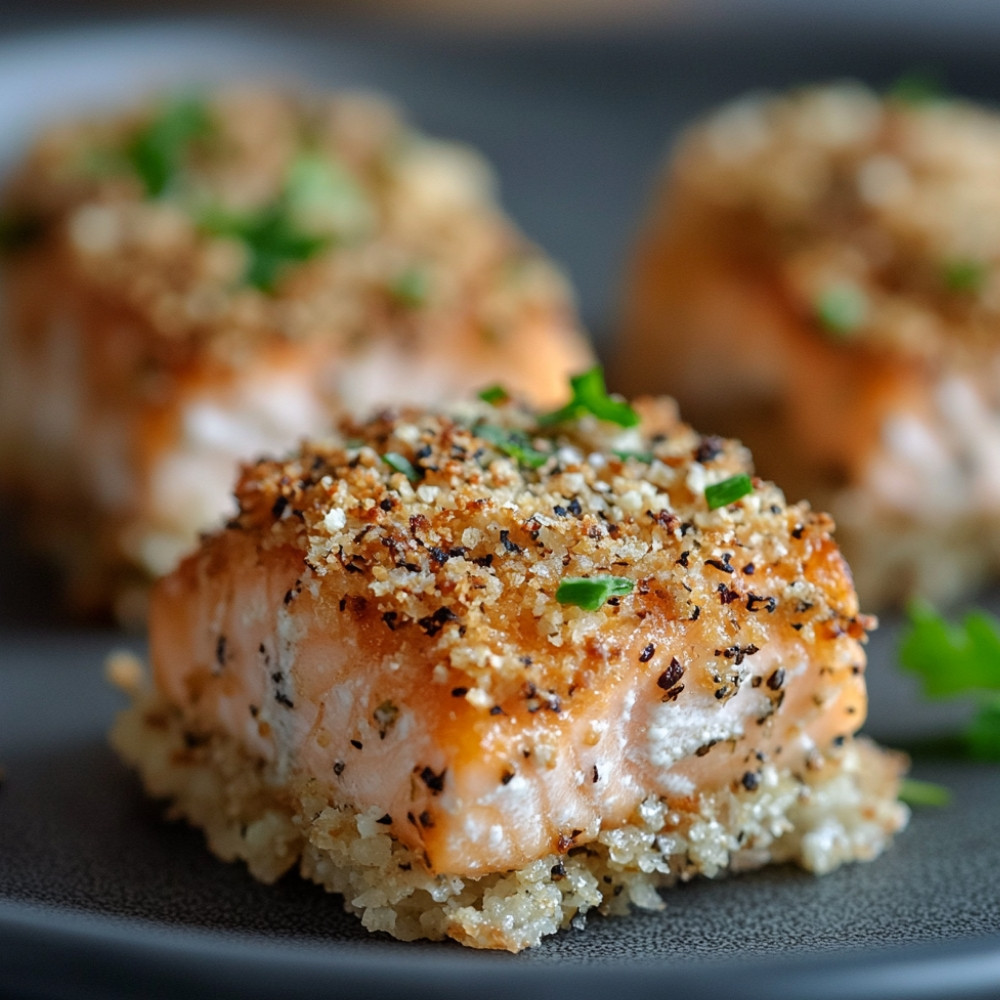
819, 275
232, 272
481, 670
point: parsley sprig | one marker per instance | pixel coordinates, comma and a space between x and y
156, 152
591, 593
953, 660
923, 793
513, 443
319, 205
918, 88
842, 309
400, 463
965, 276
271, 237
591, 396
494, 395
728, 491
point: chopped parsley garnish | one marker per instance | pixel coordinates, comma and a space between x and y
411, 287
964, 276
955, 660
591, 396
842, 309
156, 152
923, 793
640, 456
272, 240
313, 211
591, 593
918, 87
494, 395
512, 443
728, 491
401, 464
323, 197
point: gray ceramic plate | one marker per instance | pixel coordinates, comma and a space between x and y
99, 897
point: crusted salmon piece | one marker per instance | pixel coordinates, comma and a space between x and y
197, 281
377, 671
820, 275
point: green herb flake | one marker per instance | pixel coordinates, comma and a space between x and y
842, 309
323, 197
494, 395
514, 444
411, 287
952, 660
918, 88
591, 396
982, 734
646, 457
401, 464
271, 238
728, 491
923, 793
964, 276
591, 593
156, 153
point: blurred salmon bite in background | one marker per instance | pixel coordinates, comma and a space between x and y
233, 271
819, 276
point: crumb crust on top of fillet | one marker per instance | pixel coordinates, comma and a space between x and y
467, 525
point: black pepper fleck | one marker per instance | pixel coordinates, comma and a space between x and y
710, 447
432, 624
754, 601
435, 782
671, 675
722, 564
505, 541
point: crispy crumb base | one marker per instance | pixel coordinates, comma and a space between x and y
846, 811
